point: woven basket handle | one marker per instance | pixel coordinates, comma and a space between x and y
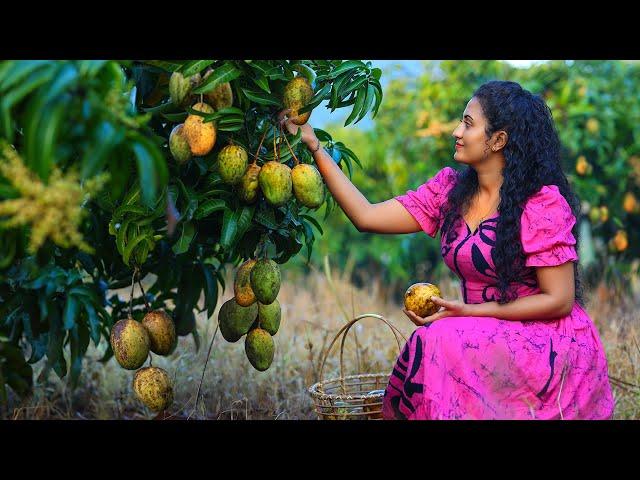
344, 331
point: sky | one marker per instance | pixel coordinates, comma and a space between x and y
321, 116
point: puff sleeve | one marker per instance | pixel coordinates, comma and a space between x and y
545, 232
424, 203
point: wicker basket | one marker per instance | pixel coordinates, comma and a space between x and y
351, 397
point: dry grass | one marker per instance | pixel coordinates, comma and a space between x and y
314, 307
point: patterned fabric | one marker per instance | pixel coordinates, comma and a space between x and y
491, 368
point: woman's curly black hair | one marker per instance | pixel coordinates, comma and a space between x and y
532, 159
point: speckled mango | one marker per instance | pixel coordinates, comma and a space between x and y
162, 332
180, 87
259, 348
130, 343
201, 136
417, 299
178, 145
153, 387
221, 96
269, 316
275, 183
242, 285
297, 93
236, 320
265, 280
232, 164
307, 185
249, 187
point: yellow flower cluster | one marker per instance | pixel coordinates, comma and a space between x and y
53, 210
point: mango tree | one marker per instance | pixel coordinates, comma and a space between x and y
97, 191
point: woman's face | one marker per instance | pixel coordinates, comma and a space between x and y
471, 140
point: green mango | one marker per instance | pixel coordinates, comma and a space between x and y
233, 162
259, 348
265, 280
221, 96
297, 93
248, 188
180, 88
308, 186
235, 320
269, 316
178, 145
130, 343
242, 286
275, 182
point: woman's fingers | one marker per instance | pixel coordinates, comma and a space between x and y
283, 113
414, 318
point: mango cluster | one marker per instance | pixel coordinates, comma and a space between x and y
132, 341
254, 310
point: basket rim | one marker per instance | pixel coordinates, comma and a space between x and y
314, 389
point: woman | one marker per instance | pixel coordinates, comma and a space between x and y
520, 345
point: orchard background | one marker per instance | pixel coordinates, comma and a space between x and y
91, 198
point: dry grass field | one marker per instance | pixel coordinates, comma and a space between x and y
314, 307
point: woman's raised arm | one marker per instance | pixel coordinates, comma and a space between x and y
389, 216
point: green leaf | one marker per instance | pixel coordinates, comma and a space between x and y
186, 236
229, 228
348, 65
355, 85
220, 75
105, 139
70, 312
337, 87
79, 342
167, 65
128, 250
47, 135
230, 127
367, 103
317, 99
313, 221
322, 135
208, 207
357, 107
94, 321
89, 68
336, 154
245, 219
120, 212
191, 200
195, 66
19, 70
163, 108
263, 83
306, 71
152, 169
121, 235
211, 288
261, 98
176, 117
378, 94
267, 218
376, 73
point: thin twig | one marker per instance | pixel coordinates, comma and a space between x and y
204, 369
144, 295
289, 145
623, 382
560, 392
255, 157
133, 284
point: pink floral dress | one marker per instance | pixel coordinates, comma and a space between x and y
490, 368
